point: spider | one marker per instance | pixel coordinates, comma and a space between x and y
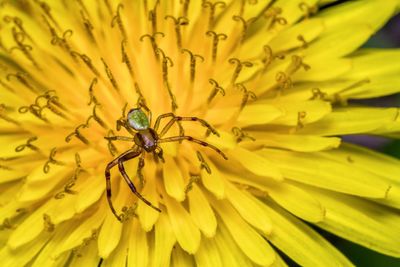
147, 139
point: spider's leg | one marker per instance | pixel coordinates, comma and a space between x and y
179, 118
191, 139
139, 169
162, 116
130, 153
121, 138
158, 154
121, 167
123, 123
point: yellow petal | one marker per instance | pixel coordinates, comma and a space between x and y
249, 209
298, 202
201, 212
255, 163
300, 242
119, 255
164, 242
213, 182
361, 221
301, 143
186, 232
91, 191
351, 121
257, 114
248, 240
180, 258
147, 215
287, 38
138, 254
314, 169
90, 259
173, 179
208, 254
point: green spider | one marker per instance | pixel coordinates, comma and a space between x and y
147, 139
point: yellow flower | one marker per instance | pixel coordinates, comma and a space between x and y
272, 77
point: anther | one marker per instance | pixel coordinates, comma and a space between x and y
212, 7
6, 224
308, 10
273, 13
87, 24
181, 21
125, 58
35, 109
77, 134
87, 61
239, 66
51, 160
110, 75
153, 17
216, 89
48, 224
167, 62
241, 135
185, 7
92, 98
243, 3
284, 81
194, 178
301, 115
97, 118
216, 37
203, 163
193, 61
117, 19
19, 39
46, 8
19, 24
152, 39
28, 144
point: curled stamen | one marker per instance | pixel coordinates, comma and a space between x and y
318, 94
51, 160
304, 42
308, 11
203, 163
117, 19
71, 182
194, 178
245, 25
216, 37
47, 10
78, 134
246, 94
216, 89
167, 62
6, 224
212, 7
273, 13
192, 63
297, 63
239, 67
97, 118
181, 21
20, 77
128, 213
19, 39
241, 135
110, 75
283, 80
36, 110
28, 144
19, 24
48, 224
301, 115
87, 61
111, 147
152, 39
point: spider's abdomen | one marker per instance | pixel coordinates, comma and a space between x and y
146, 139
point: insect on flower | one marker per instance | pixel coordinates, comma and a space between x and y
147, 139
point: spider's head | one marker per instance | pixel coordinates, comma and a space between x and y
137, 119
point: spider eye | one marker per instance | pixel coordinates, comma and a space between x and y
138, 120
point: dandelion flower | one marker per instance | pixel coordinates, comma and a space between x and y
273, 78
